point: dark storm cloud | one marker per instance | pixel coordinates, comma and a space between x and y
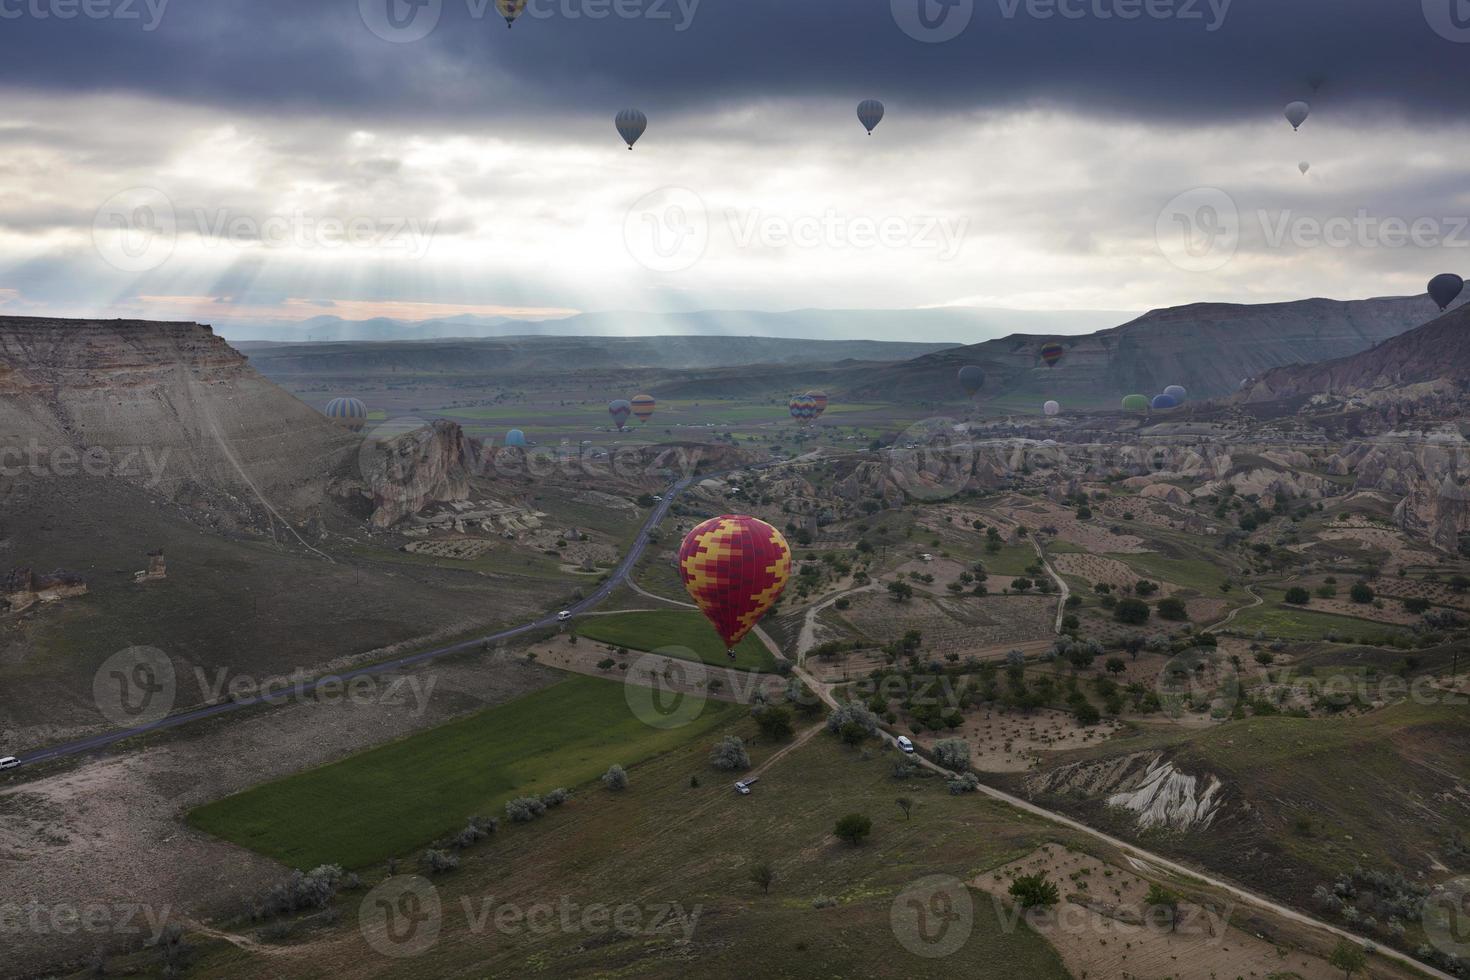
1185, 61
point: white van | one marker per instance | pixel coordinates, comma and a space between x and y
905, 745
563, 616
9, 762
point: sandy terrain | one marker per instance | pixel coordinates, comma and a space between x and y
1006, 741
1102, 928
1400, 551
109, 829
1096, 568
1092, 536
954, 625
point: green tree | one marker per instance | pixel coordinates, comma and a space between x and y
1131, 611
905, 804
1298, 596
775, 723
853, 828
1161, 898
1348, 957
1034, 892
762, 874
1173, 608
901, 591
1361, 593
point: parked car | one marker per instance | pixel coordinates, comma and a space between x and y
905, 744
743, 786
9, 762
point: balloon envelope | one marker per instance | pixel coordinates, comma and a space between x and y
1177, 393
510, 9
631, 123
620, 409
734, 568
971, 379
1163, 403
1304, 166
819, 399
803, 408
1296, 114
1052, 353
643, 406
348, 413
1052, 408
515, 437
1445, 289
870, 114
1135, 403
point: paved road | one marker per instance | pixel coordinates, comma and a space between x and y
624, 569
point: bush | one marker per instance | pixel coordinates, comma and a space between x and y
312, 889
853, 828
729, 755
556, 797
1131, 611
524, 809
616, 777
775, 723
1361, 593
1034, 891
964, 783
952, 753
1173, 609
437, 862
1298, 596
1087, 714
852, 713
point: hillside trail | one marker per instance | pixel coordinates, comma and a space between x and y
1231, 615
1066, 592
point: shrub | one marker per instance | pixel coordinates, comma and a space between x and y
1361, 593
775, 723
437, 862
952, 753
524, 809
964, 783
852, 713
1298, 596
616, 777
1173, 609
1034, 891
312, 889
853, 828
730, 755
556, 797
1131, 611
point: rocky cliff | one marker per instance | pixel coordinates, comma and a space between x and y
167, 405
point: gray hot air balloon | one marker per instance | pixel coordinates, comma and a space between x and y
631, 124
972, 379
1304, 166
1052, 408
1177, 393
1445, 289
1296, 114
620, 409
870, 114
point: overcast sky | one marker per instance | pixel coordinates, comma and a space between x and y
279, 159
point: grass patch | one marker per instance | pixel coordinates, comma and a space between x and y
1277, 619
665, 631
398, 797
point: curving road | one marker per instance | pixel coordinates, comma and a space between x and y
625, 567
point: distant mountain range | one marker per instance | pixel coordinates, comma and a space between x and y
946, 325
1209, 348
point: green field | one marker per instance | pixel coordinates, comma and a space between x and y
666, 631
398, 797
1278, 619
1191, 573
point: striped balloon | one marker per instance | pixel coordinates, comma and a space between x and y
870, 114
643, 407
620, 409
631, 123
734, 568
803, 408
1052, 353
820, 398
348, 412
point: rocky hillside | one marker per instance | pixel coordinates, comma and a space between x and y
169, 406
1209, 348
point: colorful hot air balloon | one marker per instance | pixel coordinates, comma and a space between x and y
1445, 289
1052, 408
347, 412
870, 114
734, 568
620, 409
1163, 403
819, 398
972, 379
631, 123
1135, 403
510, 10
1177, 393
515, 437
1052, 353
1296, 114
803, 408
643, 407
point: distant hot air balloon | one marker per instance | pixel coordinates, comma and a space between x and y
870, 114
972, 379
803, 408
819, 399
1177, 393
1445, 289
735, 568
1052, 408
1244, 384
1052, 353
1304, 166
1135, 403
620, 409
1296, 114
510, 10
515, 437
631, 123
1163, 403
643, 407
347, 412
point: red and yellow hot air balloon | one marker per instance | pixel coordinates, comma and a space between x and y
735, 568
643, 407
1052, 353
